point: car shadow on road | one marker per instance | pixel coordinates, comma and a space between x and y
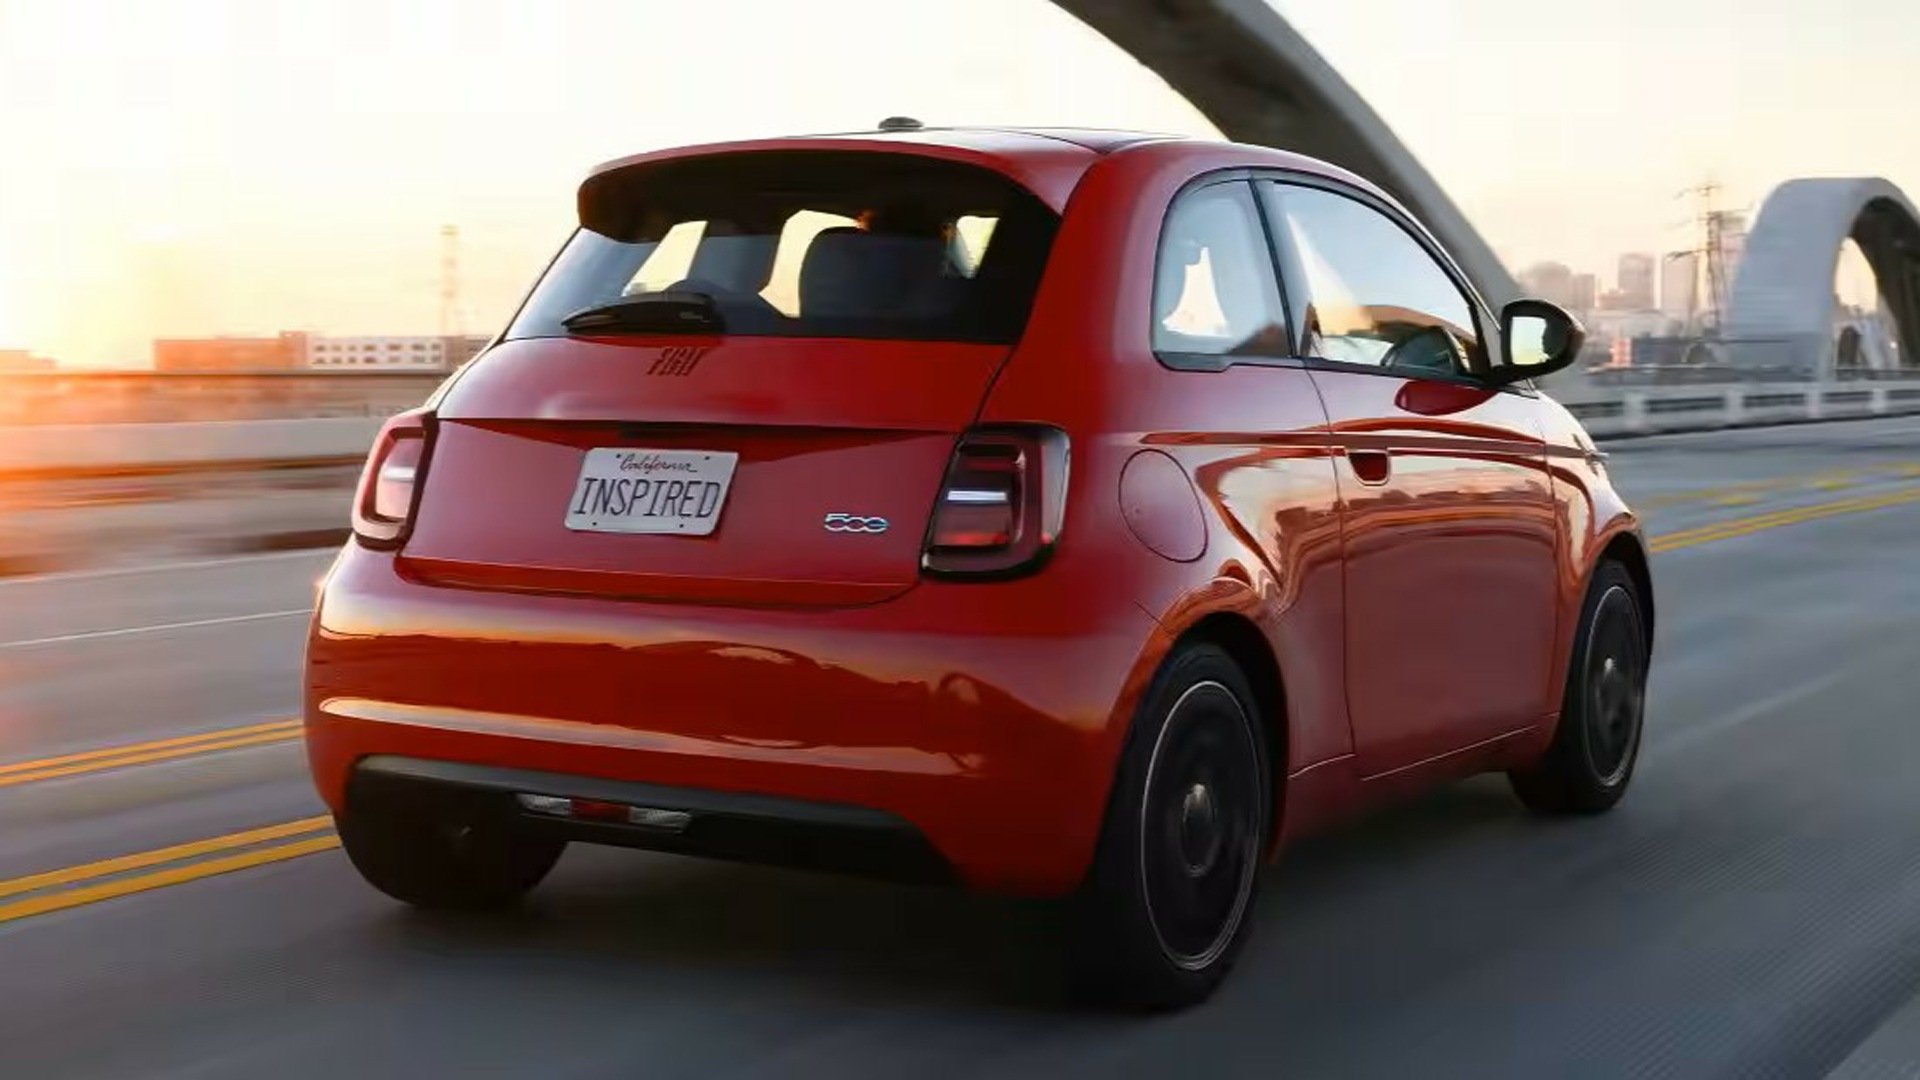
619, 919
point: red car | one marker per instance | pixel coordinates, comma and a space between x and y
1052, 512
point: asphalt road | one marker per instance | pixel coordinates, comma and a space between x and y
1753, 909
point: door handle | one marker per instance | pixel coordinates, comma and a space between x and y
1371, 466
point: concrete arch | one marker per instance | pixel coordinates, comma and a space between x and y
1781, 310
1247, 70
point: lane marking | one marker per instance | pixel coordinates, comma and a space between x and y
1680, 739
126, 749
1727, 530
160, 879
1751, 490
1787, 513
267, 738
125, 631
164, 568
159, 856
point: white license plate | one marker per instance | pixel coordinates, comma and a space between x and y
627, 490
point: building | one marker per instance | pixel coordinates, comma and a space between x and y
387, 353
1636, 281
391, 353
1548, 281
283, 353
1584, 293
301, 351
12, 360
1680, 285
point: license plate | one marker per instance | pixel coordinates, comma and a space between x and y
625, 490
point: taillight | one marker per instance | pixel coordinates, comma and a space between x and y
1002, 503
389, 485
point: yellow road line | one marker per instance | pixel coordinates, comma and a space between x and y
1785, 514
135, 748
144, 859
263, 739
113, 757
1754, 490
107, 890
1727, 530
1825, 480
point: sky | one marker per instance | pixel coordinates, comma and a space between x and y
188, 167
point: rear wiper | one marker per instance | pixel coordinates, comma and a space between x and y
683, 312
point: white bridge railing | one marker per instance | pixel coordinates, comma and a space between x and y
1611, 412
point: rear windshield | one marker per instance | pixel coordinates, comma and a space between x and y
808, 244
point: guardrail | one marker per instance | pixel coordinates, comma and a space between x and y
79, 496
1612, 412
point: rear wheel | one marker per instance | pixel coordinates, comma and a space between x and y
440, 865
1586, 769
1165, 909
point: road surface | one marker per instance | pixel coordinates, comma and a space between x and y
169, 907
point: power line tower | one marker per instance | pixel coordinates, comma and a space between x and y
451, 323
1710, 220
1722, 236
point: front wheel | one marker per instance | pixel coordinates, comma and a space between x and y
1166, 906
1586, 769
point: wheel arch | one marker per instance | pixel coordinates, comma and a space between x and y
1629, 549
1243, 642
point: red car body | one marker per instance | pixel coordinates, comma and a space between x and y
1395, 562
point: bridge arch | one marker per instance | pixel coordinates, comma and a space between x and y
1256, 79
1781, 312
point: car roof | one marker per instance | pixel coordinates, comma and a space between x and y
1048, 160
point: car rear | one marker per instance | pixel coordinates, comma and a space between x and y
711, 553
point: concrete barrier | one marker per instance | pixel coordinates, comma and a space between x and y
1625, 412
82, 496
78, 497
131, 448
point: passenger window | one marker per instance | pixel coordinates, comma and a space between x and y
1214, 288
1374, 294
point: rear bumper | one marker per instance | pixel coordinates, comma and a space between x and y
983, 719
747, 828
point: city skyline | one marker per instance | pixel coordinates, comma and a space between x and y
214, 166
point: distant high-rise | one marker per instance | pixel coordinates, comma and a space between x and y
1583, 293
1549, 281
1636, 281
1680, 285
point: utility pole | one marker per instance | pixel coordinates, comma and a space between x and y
450, 321
1712, 248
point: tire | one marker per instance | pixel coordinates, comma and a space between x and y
1590, 762
1167, 904
440, 866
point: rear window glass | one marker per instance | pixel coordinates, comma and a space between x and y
808, 244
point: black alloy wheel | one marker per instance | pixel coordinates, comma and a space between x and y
1166, 907
1591, 760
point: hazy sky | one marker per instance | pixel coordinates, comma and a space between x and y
201, 166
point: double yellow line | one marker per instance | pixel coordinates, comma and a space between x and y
1727, 530
74, 886
57, 890
1751, 491
114, 757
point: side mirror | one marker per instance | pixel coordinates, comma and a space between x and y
1536, 338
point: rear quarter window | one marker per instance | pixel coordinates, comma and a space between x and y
809, 244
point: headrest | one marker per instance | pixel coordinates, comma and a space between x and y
852, 273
